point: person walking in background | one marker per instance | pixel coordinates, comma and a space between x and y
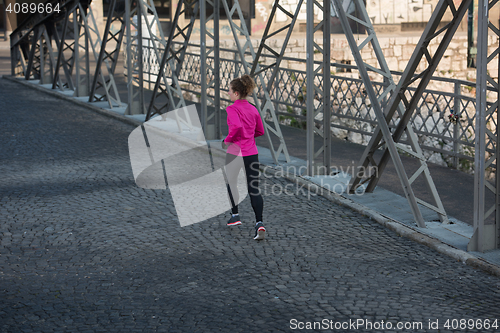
245, 124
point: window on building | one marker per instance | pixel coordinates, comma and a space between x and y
247, 8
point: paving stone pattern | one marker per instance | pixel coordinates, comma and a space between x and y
83, 249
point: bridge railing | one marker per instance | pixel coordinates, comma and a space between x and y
444, 120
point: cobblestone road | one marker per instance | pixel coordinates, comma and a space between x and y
83, 249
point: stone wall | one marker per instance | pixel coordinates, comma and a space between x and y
397, 50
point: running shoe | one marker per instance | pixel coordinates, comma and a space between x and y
260, 231
234, 220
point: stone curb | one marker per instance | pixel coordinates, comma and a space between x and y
395, 226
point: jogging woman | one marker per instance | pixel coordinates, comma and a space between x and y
245, 124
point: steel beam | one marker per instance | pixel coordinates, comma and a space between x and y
315, 91
102, 80
21, 37
370, 40
274, 66
81, 52
110, 89
63, 46
266, 106
485, 236
134, 60
171, 57
33, 66
210, 72
431, 32
47, 56
23, 32
272, 86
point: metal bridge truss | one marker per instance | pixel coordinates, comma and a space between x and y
263, 102
33, 56
64, 47
486, 236
134, 63
272, 86
41, 59
29, 41
318, 90
390, 142
105, 78
209, 69
109, 59
171, 59
383, 135
402, 92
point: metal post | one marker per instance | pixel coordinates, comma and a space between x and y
81, 53
310, 87
485, 236
60, 57
15, 55
109, 59
41, 53
480, 132
171, 57
140, 63
31, 56
135, 73
204, 68
51, 58
457, 110
471, 51
327, 86
108, 83
496, 242
210, 122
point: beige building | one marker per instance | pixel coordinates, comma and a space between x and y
387, 15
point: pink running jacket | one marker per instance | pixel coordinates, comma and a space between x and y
245, 124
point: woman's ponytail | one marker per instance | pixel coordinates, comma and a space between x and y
244, 86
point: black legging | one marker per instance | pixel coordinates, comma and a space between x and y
251, 164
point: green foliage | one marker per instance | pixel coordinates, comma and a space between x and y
465, 164
298, 124
294, 122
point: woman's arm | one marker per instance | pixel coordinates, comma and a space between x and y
259, 127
